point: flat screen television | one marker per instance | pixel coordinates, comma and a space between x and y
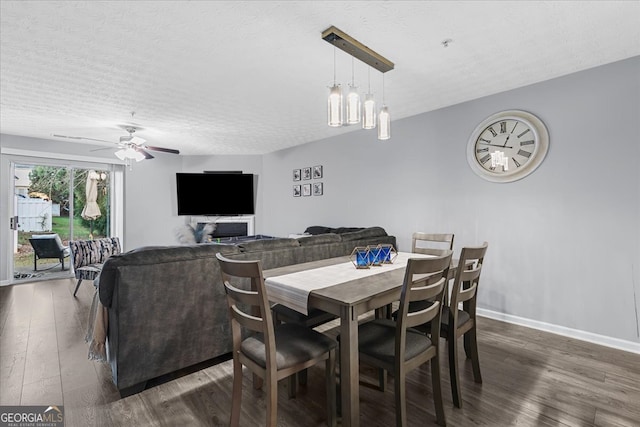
215, 194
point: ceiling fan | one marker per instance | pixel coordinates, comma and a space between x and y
131, 147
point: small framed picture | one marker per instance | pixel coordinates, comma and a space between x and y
317, 189
306, 190
317, 172
296, 174
296, 190
306, 173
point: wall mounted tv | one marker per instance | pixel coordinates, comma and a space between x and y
215, 194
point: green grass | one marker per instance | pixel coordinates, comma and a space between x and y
60, 225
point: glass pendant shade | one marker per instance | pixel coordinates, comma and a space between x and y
353, 106
384, 125
334, 106
369, 115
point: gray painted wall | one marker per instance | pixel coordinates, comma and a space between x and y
563, 242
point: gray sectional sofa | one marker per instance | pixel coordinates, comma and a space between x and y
167, 307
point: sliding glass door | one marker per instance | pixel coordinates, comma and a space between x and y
52, 205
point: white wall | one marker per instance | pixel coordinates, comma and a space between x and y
563, 242
150, 206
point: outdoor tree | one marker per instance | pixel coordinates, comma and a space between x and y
54, 182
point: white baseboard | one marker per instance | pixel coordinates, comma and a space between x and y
630, 346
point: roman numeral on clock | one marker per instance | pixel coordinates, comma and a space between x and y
485, 159
493, 132
503, 127
528, 142
522, 133
480, 150
524, 153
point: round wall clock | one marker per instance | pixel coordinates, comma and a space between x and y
507, 146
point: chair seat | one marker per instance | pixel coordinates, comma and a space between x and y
377, 339
295, 344
463, 317
88, 272
315, 317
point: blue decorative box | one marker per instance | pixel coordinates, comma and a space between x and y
360, 257
375, 255
387, 253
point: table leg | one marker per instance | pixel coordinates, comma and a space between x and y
349, 370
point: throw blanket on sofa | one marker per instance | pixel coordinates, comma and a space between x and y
97, 330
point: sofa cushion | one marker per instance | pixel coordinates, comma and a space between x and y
267, 244
364, 234
320, 239
343, 230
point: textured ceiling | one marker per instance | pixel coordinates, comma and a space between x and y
232, 77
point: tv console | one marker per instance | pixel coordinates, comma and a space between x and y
228, 226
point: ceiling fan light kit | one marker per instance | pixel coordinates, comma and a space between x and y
130, 154
355, 112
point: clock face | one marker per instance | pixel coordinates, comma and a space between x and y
507, 146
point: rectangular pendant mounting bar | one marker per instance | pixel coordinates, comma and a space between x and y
356, 49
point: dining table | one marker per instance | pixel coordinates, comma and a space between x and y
336, 286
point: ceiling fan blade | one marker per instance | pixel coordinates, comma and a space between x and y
164, 150
146, 154
82, 137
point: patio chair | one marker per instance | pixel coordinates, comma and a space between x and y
48, 246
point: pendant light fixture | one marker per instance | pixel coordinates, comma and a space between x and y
354, 107
384, 125
353, 100
369, 117
334, 103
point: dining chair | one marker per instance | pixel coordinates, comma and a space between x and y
315, 318
431, 244
270, 352
428, 244
397, 347
461, 321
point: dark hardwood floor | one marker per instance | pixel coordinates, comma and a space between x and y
531, 378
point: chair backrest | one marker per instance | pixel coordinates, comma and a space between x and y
431, 244
467, 279
248, 308
47, 245
424, 279
87, 252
